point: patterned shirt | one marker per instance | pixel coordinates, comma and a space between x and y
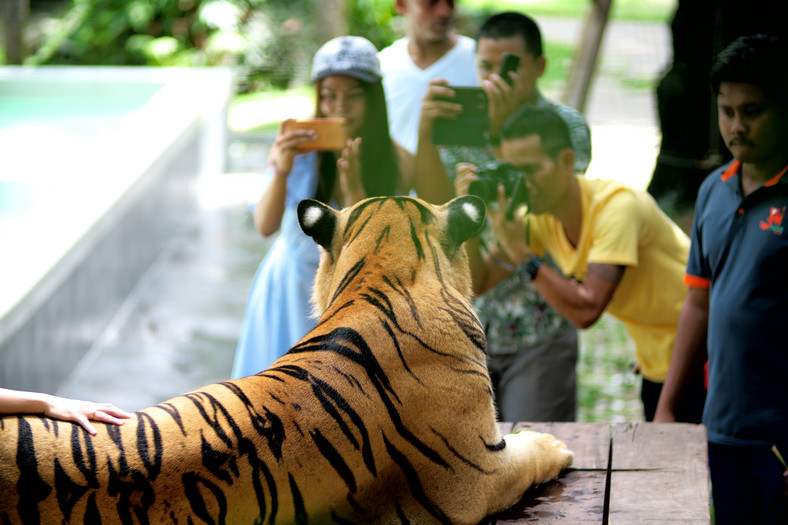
514, 314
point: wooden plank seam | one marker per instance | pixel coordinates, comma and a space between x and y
608, 478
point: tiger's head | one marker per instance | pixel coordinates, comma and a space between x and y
409, 239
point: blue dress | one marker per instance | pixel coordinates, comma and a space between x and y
278, 312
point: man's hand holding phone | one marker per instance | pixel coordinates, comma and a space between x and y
437, 104
509, 229
477, 112
458, 115
505, 92
466, 174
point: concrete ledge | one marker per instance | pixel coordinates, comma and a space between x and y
154, 159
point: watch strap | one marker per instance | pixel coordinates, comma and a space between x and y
532, 267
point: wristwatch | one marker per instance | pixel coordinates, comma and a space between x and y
532, 267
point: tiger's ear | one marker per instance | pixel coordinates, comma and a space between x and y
318, 221
466, 218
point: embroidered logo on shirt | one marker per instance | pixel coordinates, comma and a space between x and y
774, 223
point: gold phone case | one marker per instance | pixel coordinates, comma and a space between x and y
330, 133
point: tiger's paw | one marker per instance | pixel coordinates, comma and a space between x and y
562, 455
549, 456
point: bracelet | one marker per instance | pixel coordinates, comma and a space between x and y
532, 267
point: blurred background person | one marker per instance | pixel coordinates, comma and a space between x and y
430, 50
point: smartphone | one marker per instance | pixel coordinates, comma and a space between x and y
471, 125
510, 63
330, 133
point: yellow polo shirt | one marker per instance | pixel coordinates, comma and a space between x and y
624, 226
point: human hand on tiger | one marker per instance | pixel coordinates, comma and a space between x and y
286, 146
83, 412
349, 168
64, 409
510, 233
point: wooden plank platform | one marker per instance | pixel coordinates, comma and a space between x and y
622, 474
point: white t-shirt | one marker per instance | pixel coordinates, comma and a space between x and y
406, 84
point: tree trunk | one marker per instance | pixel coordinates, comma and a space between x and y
332, 19
14, 16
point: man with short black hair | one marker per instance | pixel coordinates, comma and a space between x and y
738, 291
616, 250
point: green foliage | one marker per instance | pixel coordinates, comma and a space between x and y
265, 37
277, 48
375, 20
123, 32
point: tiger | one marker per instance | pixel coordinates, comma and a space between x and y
383, 413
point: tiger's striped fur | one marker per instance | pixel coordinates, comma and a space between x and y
382, 414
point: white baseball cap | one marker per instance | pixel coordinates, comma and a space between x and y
353, 56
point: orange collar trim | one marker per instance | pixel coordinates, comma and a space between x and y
734, 168
774, 180
731, 171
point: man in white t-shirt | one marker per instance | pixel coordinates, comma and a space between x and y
430, 50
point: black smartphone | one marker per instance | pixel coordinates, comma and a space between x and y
471, 125
510, 63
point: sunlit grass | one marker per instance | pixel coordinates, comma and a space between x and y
559, 63
263, 111
641, 10
608, 390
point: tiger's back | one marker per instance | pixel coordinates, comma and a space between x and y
382, 414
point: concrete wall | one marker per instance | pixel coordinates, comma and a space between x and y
50, 330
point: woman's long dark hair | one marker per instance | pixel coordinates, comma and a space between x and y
379, 165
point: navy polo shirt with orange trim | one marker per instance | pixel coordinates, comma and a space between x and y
739, 251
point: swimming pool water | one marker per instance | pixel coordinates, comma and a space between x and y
44, 128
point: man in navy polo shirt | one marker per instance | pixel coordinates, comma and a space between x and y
737, 304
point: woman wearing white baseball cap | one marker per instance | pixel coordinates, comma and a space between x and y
347, 78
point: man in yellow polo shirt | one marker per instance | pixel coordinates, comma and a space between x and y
621, 253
